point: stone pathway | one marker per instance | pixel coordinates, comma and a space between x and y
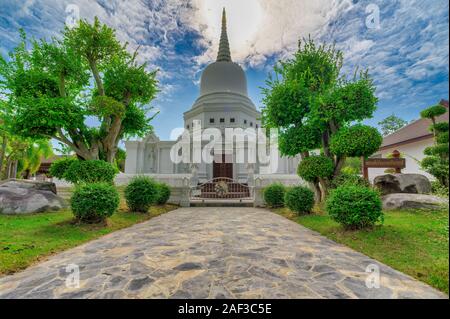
212, 253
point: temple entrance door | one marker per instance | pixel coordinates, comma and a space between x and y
223, 169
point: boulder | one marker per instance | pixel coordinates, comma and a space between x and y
22, 200
37, 185
412, 201
402, 183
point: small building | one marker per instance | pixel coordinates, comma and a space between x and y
410, 141
43, 173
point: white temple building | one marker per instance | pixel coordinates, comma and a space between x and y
223, 103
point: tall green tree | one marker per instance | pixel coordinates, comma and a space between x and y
437, 160
391, 124
19, 156
54, 87
314, 106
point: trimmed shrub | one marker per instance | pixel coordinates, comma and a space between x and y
441, 127
442, 138
437, 150
437, 167
274, 195
141, 193
299, 199
163, 193
356, 141
355, 207
438, 189
433, 111
59, 168
314, 167
95, 171
345, 179
94, 202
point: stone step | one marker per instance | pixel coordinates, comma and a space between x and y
222, 203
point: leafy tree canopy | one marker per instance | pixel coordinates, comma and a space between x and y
50, 89
437, 160
391, 124
309, 100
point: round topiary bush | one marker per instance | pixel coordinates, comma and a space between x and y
314, 167
94, 202
355, 207
441, 127
274, 195
442, 138
141, 193
437, 150
59, 168
163, 193
356, 141
95, 171
433, 111
299, 199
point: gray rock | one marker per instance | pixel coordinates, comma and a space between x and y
37, 185
18, 200
402, 183
412, 201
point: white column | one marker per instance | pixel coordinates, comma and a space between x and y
131, 162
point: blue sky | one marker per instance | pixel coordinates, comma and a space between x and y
407, 54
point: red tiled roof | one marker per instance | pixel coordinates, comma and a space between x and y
416, 131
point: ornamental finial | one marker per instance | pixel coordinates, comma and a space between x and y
224, 47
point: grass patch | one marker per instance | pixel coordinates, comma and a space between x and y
415, 242
27, 239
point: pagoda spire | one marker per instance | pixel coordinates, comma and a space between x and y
224, 47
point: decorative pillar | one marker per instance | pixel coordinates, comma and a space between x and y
131, 162
185, 193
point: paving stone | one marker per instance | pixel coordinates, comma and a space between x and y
188, 266
139, 283
213, 253
181, 294
115, 294
323, 268
77, 294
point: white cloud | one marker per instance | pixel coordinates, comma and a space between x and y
258, 29
410, 47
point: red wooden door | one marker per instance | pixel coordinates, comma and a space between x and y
223, 169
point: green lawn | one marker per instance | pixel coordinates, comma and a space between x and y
414, 242
25, 240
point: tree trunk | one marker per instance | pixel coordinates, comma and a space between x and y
340, 162
3, 153
323, 188
8, 169
434, 131
326, 144
14, 169
110, 142
317, 192
98, 79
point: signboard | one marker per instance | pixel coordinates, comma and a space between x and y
396, 163
399, 163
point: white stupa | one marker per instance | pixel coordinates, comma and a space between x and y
223, 102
